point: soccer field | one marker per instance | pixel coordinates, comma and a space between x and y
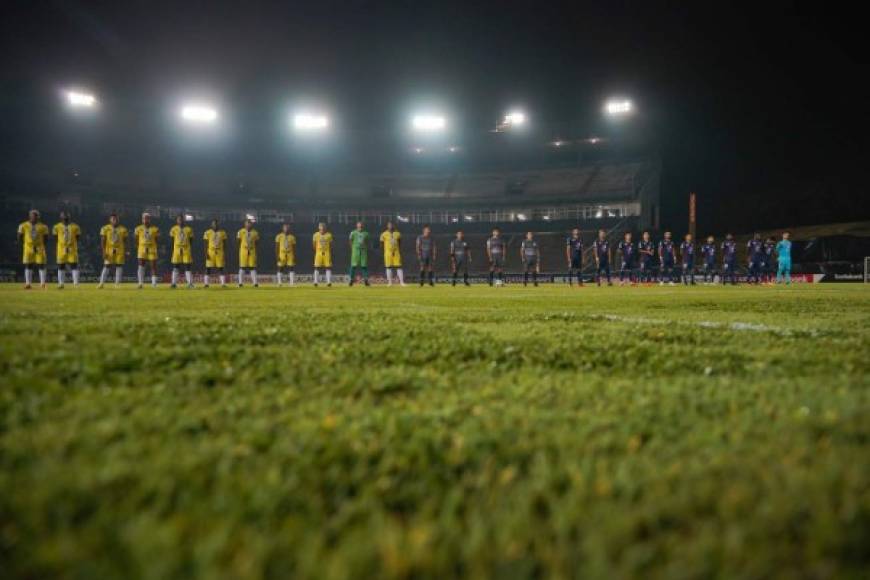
407, 432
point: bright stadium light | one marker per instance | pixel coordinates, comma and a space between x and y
522, 217
81, 100
428, 123
198, 113
515, 118
453, 149
308, 122
402, 219
619, 107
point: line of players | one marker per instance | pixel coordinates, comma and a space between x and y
643, 261
647, 262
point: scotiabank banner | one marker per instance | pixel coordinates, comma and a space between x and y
839, 277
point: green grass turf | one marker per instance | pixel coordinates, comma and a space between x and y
330, 433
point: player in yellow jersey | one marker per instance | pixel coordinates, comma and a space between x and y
113, 241
248, 238
31, 236
67, 234
182, 252
391, 242
322, 244
285, 251
145, 236
215, 253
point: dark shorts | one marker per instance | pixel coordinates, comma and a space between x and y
426, 261
626, 265
460, 263
576, 261
496, 261
530, 263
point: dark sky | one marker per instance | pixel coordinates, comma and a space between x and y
760, 107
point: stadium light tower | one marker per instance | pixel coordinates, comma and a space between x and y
198, 114
310, 123
429, 123
81, 100
619, 108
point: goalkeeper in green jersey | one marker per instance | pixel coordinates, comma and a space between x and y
359, 254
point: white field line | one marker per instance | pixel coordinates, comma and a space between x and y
738, 326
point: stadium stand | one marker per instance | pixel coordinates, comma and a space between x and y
617, 194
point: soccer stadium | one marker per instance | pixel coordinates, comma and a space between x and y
365, 291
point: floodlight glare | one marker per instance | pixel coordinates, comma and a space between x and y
199, 113
77, 99
514, 119
619, 107
429, 123
308, 122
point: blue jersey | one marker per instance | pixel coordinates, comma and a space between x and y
709, 253
575, 245
626, 250
783, 250
756, 250
729, 250
687, 251
601, 249
667, 251
646, 249
768, 251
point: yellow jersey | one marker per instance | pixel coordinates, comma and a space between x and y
248, 240
67, 240
286, 245
322, 243
215, 240
181, 236
390, 241
146, 237
115, 238
34, 242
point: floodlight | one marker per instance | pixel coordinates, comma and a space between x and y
558, 143
619, 107
188, 217
310, 122
79, 99
453, 149
197, 113
546, 218
402, 219
599, 214
251, 217
469, 218
428, 123
522, 217
418, 150
515, 119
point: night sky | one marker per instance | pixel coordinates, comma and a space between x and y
761, 108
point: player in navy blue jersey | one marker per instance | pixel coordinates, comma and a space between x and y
646, 252
601, 251
768, 269
708, 254
626, 250
755, 251
729, 260
574, 254
687, 255
667, 259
